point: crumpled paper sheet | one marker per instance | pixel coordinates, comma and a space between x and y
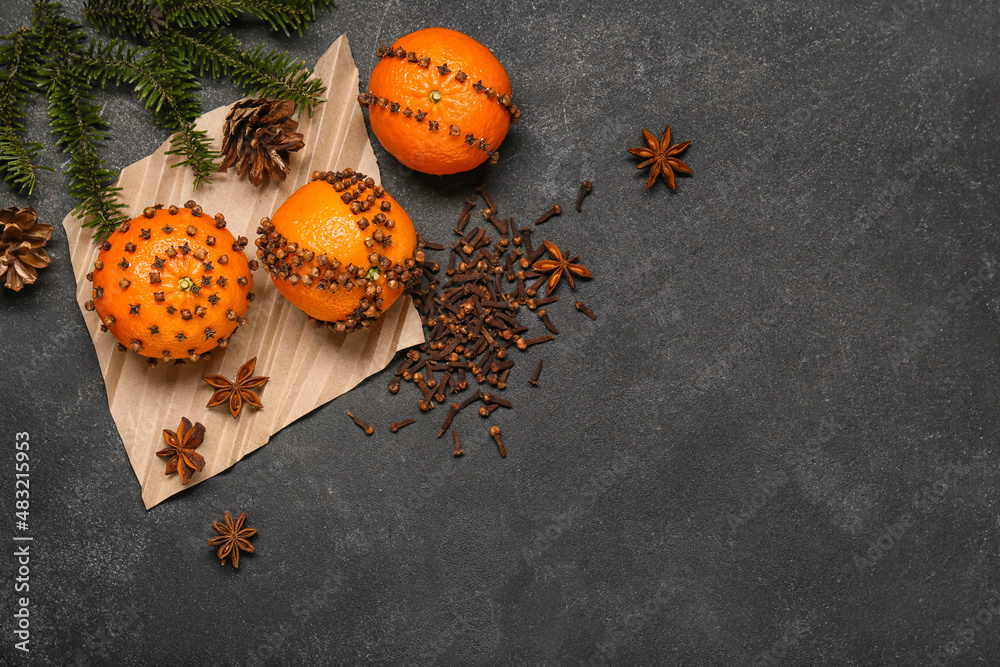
308, 366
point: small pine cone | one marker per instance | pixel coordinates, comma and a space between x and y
259, 135
22, 246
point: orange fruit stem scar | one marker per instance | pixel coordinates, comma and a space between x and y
439, 101
341, 249
172, 284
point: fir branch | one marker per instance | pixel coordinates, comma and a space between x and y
200, 13
75, 119
17, 160
19, 56
185, 106
166, 88
286, 16
76, 122
277, 74
258, 72
196, 147
16, 58
137, 19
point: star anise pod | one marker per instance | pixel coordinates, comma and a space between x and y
258, 136
183, 458
560, 266
22, 246
662, 158
235, 393
233, 538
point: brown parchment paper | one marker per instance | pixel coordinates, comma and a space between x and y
308, 366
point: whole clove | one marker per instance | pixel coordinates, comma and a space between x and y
585, 189
443, 386
395, 426
367, 428
485, 194
458, 448
497, 400
543, 315
538, 371
470, 400
501, 225
465, 215
447, 420
525, 343
535, 254
555, 210
535, 286
586, 311
538, 303
502, 305
502, 381
424, 389
495, 433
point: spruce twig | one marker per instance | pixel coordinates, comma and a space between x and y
166, 89
17, 157
124, 17
75, 119
258, 73
286, 16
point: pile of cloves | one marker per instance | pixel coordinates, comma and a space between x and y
471, 314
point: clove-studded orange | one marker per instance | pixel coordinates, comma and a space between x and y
341, 249
172, 284
439, 101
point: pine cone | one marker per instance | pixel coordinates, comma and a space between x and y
22, 246
258, 136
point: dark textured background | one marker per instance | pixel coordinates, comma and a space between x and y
776, 445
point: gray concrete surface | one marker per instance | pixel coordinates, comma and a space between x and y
776, 446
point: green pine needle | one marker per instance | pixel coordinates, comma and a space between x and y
258, 72
165, 88
17, 161
286, 16
123, 17
277, 74
19, 55
75, 119
195, 145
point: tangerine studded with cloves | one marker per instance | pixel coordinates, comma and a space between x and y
341, 249
439, 101
172, 284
